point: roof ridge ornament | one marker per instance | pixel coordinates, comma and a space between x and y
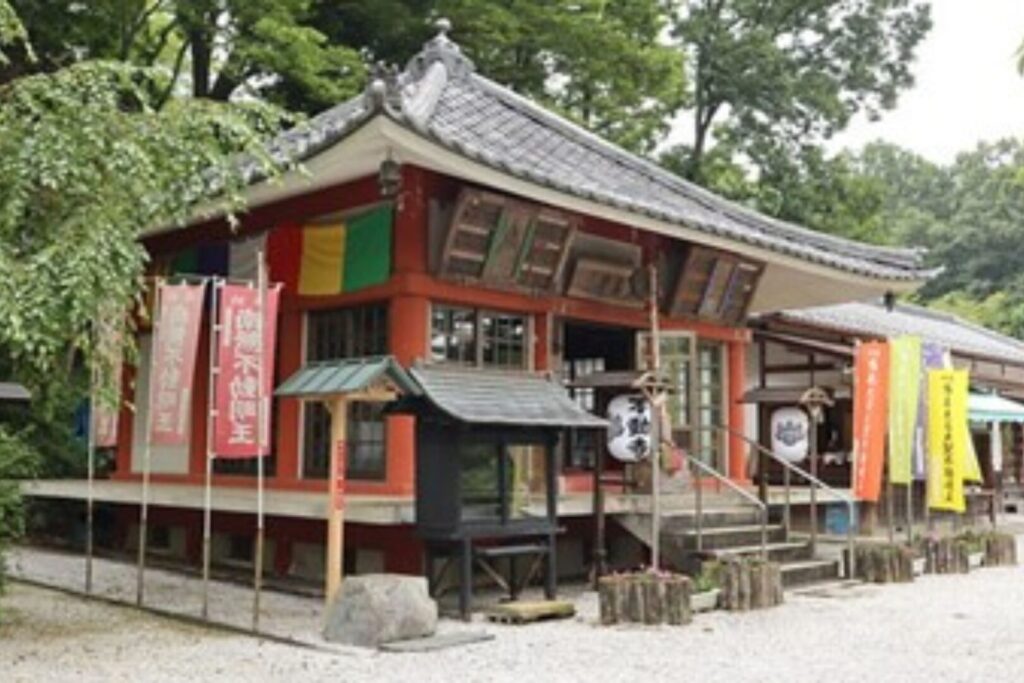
384, 87
442, 49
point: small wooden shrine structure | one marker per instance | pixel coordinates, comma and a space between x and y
486, 475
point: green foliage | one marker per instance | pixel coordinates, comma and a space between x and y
85, 164
599, 62
970, 216
90, 156
12, 31
17, 460
217, 49
773, 77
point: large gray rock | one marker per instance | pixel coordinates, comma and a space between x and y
381, 608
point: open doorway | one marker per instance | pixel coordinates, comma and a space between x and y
588, 348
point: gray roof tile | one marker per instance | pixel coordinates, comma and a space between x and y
872, 320
485, 122
502, 398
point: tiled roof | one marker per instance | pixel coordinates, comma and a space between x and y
502, 398
441, 97
872, 320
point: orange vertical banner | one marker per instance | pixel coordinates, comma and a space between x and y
870, 414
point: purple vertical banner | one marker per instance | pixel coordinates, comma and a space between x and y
933, 357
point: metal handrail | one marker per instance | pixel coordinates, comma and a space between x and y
814, 481
736, 488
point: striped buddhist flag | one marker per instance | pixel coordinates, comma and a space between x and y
332, 258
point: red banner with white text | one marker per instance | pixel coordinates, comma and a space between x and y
173, 362
870, 415
238, 358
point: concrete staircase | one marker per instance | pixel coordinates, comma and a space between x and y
731, 532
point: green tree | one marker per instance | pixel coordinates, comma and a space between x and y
600, 62
216, 49
772, 78
87, 161
970, 216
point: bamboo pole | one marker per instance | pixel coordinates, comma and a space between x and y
211, 420
261, 435
90, 477
148, 450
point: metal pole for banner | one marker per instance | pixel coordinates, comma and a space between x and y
210, 426
148, 450
90, 476
890, 509
910, 510
656, 415
261, 411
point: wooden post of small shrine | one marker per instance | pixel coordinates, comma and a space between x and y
336, 498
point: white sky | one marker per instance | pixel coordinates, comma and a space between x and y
967, 86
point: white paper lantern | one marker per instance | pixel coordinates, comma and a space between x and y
629, 429
790, 430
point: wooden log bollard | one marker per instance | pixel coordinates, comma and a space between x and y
884, 562
678, 590
749, 583
644, 598
947, 556
1000, 550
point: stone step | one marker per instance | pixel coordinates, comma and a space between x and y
725, 517
807, 572
715, 538
786, 551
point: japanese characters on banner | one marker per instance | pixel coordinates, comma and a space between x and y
238, 358
947, 439
173, 362
870, 412
904, 397
932, 358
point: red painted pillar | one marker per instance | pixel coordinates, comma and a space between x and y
125, 425
408, 324
289, 359
737, 418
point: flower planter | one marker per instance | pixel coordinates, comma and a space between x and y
974, 560
705, 601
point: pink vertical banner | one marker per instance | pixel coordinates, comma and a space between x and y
238, 358
173, 362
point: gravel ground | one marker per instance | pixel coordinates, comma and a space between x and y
950, 628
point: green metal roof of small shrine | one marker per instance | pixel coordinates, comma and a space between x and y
347, 376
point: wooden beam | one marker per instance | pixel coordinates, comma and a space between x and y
336, 499
784, 368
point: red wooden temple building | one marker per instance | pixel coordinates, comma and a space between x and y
450, 223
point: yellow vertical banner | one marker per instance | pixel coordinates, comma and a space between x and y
947, 439
904, 394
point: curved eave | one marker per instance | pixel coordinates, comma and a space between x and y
423, 149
